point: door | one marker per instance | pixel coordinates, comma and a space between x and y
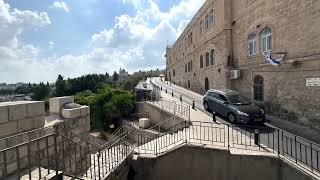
206, 84
223, 107
213, 102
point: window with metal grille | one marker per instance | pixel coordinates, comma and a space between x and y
252, 45
266, 40
212, 57
207, 59
258, 91
201, 61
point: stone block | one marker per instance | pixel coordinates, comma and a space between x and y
9, 128
56, 103
71, 113
4, 113
85, 120
38, 121
88, 109
87, 127
23, 151
144, 123
17, 111
3, 144
25, 124
35, 108
12, 167
83, 110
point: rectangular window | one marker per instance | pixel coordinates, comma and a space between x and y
191, 64
185, 68
207, 22
252, 48
266, 43
174, 72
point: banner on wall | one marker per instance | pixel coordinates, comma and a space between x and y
273, 61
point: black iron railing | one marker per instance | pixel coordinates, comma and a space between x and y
63, 152
300, 151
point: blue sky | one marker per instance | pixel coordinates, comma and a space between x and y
40, 39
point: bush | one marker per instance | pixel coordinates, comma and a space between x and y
108, 105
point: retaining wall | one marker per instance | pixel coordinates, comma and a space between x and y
158, 115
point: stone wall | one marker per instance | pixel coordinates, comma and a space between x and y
294, 27
294, 31
193, 163
157, 115
216, 37
36, 148
17, 117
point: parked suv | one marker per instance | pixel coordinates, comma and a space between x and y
232, 105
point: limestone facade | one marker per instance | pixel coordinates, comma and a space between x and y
23, 124
281, 90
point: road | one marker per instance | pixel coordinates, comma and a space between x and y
293, 147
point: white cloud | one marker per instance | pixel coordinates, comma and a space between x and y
61, 5
51, 44
134, 42
13, 22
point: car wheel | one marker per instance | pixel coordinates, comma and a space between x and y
206, 106
232, 118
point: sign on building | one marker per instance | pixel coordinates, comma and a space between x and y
312, 81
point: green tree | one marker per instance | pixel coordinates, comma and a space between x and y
115, 77
108, 105
41, 91
61, 86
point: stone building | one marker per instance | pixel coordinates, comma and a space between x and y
224, 47
123, 74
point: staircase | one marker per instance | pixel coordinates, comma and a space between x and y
59, 152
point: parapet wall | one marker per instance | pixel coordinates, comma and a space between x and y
158, 115
17, 117
193, 163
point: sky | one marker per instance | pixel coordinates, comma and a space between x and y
40, 39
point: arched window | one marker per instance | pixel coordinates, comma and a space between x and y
258, 88
211, 17
207, 59
206, 84
266, 40
252, 45
212, 57
185, 68
201, 61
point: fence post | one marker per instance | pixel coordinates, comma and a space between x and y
99, 163
278, 142
228, 139
295, 149
56, 150
156, 144
29, 157
189, 113
311, 157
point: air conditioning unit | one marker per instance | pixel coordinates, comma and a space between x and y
234, 74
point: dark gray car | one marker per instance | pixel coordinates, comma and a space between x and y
232, 105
